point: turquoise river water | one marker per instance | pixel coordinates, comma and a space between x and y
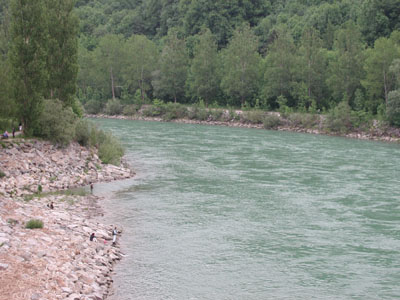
230, 213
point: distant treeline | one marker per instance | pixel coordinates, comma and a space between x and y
268, 54
301, 55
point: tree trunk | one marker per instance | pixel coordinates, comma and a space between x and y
386, 88
112, 83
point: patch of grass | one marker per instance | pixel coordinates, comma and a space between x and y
12, 221
34, 224
29, 197
2, 174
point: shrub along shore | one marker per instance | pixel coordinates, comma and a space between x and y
339, 122
45, 252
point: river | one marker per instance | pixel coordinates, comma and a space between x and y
231, 213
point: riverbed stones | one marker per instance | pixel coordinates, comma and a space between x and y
57, 261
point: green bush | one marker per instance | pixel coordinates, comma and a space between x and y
34, 223
110, 150
216, 114
198, 113
2, 174
253, 117
82, 132
303, 120
129, 110
339, 119
393, 108
56, 123
174, 111
272, 121
113, 107
93, 107
361, 119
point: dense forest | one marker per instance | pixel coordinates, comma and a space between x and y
298, 55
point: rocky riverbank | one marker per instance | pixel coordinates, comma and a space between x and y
375, 133
57, 261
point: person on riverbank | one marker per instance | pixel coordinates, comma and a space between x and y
91, 188
13, 133
93, 237
115, 232
5, 135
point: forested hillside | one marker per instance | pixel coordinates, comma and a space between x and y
298, 55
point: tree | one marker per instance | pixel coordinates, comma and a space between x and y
169, 80
378, 18
142, 57
313, 65
203, 78
109, 59
346, 68
241, 66
62, 50
393, 107
379, 81
28, 59
280, 74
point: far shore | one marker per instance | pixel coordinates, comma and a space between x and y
390, 134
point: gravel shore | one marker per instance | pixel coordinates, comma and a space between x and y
57, 261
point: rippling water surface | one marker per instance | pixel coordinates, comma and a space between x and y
229, 213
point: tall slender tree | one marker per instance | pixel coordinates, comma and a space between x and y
313, 63
62, 50
29, 33
203, 78
142, 56
346, 69
241, 66
379, 81
280, 68
170, 79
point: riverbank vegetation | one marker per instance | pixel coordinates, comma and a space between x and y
338, 60
39, 68
318, 57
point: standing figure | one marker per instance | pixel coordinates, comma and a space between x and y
115, 232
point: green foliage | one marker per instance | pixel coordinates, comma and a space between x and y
82, 132
34, 224
28, 59
378, 81
253, 117
174, 111
203, 77
110, 150
198, 113
169, 81
56, 123
272, 121
241, 66
2, 174
393, 108
129, 110
142, 58
113, 107
304, 120
93, 107
62, 50
339, 119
